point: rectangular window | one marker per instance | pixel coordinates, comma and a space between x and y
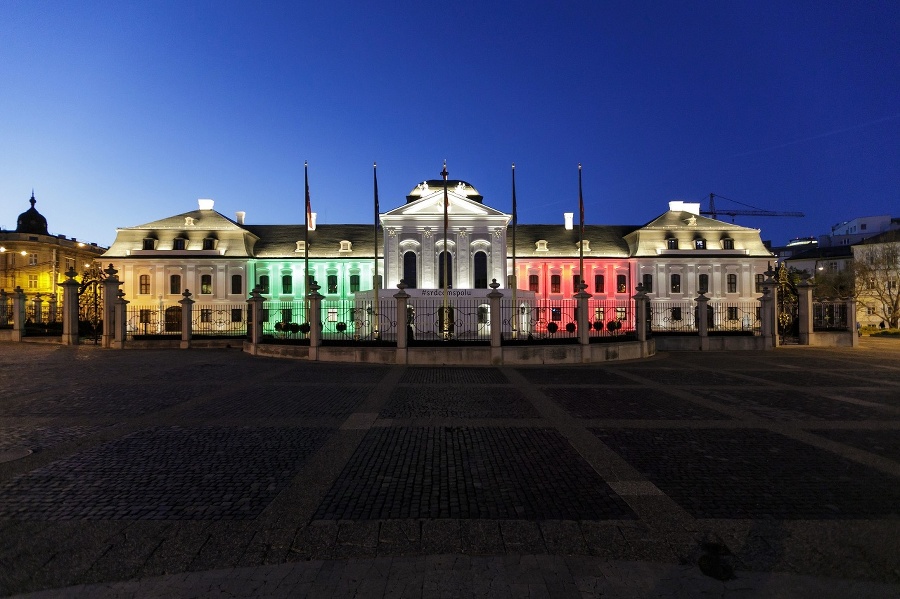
354, 283
728, 244
621, 284
556, 314
672, 243
70, 264
732, 283
287, 284
331, 315
620, 313
237, 314
209, 243
699, 244
703, 283
175, 284
576, 280
676, 313
598, 314
205, 315
760, 279
178, 244
32, 281
144, 284
149, 244
533, 283
732, 313
287, 315
648, 283
599, 284
332, 283
205, 284
144, 317
263, 283
32, 259
237, 284
675, 286
482, 314
555, 283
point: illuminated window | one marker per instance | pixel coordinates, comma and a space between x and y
332, 281
144, 281
354, 283
621, 284
703, 283
599, 284
555, 283
32, 281
732, 283
598, 314
205, 284
175, 284
480, 263
672, 243
70, 264
648, 283
263, 283
620, 314
409, 270
533, 283
237, 284
483, 314
287, 284
675, 286
449, 276
205, 315
178, 244
32, 259
699, 244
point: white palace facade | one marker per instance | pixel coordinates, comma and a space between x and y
220, 259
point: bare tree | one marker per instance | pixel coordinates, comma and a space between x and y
876, 270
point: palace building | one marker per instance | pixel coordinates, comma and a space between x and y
675, 256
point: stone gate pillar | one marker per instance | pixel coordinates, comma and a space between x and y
315, 320
70, 308
187, 323
18, 307
805, 311
702, 321
121, 321
38, 309
766, 319
640, 312
110, 293
52, 308
496, 323
254, 319
403, 324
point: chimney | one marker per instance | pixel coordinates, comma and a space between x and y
568, 216
682, 206
240, 217
205, 204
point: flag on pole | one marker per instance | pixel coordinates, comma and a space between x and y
308, 204
580, 233
514, 215
580, 204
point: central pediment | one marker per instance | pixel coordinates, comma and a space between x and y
432, 204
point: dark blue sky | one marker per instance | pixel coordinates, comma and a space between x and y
121, 113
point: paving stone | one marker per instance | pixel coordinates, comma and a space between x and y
457, 402
885, 443
40, 438
586, 375
283, 401
165, 473
784, 404
496, 473
716, 473
452, 375
625, 403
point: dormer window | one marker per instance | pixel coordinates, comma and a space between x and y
584, 244
728, 243
345, 246
179, 243
672, 243
700, 244
148, 244
540, 245
301, 246
209, 243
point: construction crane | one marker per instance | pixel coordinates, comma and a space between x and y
732, 213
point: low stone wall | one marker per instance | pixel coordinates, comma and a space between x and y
713, 343
464, 355
833, 339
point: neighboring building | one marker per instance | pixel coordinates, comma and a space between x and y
853, 231
877, 270
676, 256
35, 260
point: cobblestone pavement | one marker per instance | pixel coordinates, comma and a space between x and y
145, 473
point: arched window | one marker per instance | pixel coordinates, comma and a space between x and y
480, 261
449, 269
409, 270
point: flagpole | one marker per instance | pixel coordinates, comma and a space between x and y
306, 216
445, 325
580, 233
375, 277
514, 279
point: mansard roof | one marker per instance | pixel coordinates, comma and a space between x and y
280, 241
209, 220
604, 241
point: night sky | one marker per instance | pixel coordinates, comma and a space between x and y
121, 113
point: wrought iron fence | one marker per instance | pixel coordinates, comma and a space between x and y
461, 320
353, 321
830, 316
6, 316
673, 317
734, 317
154, 320
218, 320
610, 318
285, 320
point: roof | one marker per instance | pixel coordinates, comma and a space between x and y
280, 241
606, 241
32, 221
886, 237
818, 253
679, 219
